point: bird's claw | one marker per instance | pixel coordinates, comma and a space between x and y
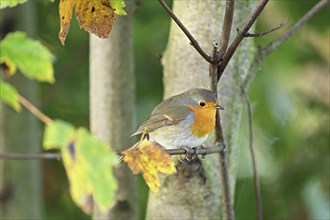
188, 156
204, 154
184, 157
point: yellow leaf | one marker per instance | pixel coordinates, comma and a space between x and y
66, 9
94, 16
149, 159
88, 163
80, 187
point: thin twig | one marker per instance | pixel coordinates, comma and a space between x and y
273, 45
193, 41
219, 136
178, 151
253, 157
269, 31
29, 156
227, 24
220, 141
213, 70
195, 151
34, 110
233, 46
263, 52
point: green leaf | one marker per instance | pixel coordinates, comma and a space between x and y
118, 6
10, 3
9, 95
58, 134
30, 56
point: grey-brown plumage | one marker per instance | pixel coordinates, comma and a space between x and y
174, 109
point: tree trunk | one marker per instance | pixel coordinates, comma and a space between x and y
112, 89
21, 188
195, 191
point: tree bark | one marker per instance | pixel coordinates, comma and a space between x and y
112, 89
195, 191
20, 187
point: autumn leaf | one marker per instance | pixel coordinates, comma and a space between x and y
149, 159
87, 162
94, 16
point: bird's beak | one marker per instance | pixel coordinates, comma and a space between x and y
219, 107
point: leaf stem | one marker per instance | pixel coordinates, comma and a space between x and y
34, 110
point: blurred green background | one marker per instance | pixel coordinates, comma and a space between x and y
290, 100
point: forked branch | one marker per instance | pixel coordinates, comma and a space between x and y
263, 52
240, 36
316, 8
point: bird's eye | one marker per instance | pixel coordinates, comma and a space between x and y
201, 103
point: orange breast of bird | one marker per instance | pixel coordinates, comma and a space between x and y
204, 120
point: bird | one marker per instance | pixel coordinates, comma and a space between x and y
183, 120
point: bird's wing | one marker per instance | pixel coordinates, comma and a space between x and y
161, 117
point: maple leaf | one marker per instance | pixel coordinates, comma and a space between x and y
94, 16
149, 159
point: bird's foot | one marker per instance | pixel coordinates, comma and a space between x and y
189, 156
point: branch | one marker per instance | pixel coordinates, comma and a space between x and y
179, 151
226, 27
195, 151
253, 157
233, 46
220, 141
263, 52
277, 42
28, 156
34, 110
193, 41
269, 31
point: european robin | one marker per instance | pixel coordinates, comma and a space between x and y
184, 120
